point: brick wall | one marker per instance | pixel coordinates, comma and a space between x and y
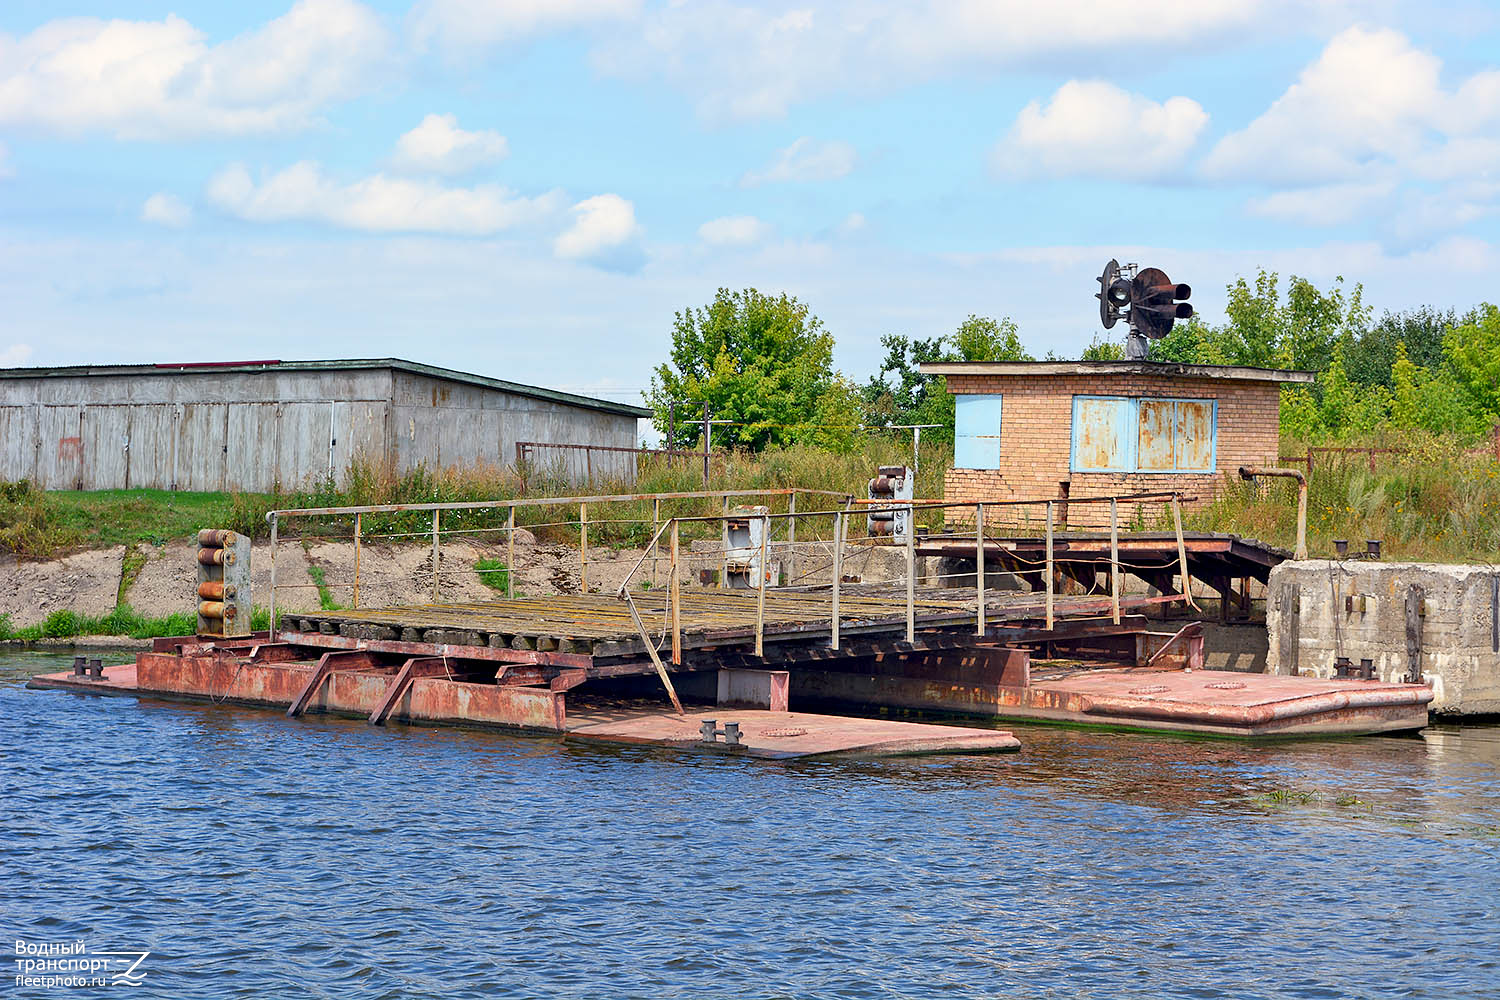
1036, 440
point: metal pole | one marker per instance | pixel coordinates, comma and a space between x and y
273, 578
358, 531
510, 553
1114, 558
916, 451
671, 430
1049, 566
791, 539
838, 571
724, 550
583, 547
436, 573
655, 537
760, 589
705, 445
979, 568
911, 574
1182, 563
675, 597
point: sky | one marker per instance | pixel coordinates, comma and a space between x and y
530, 189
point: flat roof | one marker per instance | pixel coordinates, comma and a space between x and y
1233, 373
359, 364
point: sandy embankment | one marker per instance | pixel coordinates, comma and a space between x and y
88, 582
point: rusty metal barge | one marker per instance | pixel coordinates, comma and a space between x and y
740, 665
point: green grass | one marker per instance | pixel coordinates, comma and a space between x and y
1440, 502
102, 518
325, 596
493, 573
123, 621
131, 565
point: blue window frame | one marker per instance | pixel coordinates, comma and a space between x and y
1144, 434
976, 434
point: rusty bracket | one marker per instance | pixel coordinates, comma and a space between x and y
417, 666
1186, 642
345, 659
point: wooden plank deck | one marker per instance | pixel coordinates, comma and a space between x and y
599, 625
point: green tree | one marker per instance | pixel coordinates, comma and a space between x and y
1473, 353
901, 394
1101, 349
1190, 343
1371, 358
764, 364
1302, 332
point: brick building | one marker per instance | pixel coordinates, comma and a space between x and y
1068, 429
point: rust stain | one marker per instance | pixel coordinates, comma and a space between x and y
1154, 447
69, 449
1195, 435
1100, 444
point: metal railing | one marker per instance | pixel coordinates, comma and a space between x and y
672, 614
274, 519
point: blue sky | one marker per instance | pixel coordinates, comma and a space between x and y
530, 189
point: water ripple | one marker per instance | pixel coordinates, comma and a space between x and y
323, 858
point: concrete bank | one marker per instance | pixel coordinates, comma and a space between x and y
1431, 621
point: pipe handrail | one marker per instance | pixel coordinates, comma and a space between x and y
397, 508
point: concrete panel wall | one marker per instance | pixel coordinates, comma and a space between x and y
1317, 610
259, 430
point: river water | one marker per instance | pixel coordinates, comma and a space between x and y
255, 856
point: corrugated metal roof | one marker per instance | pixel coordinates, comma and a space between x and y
361, 364
1239, 373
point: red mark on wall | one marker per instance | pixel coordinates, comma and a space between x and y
70, 449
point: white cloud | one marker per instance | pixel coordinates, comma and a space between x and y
734, 231
604, 233
1326, 205
744, 60
467, 25
1368, 131
377, 204
166, 210
854, 222
1093, 128
1370, 99
439, 146
14, 355
161, 79
805, 160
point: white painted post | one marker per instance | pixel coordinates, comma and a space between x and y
655, 537
911, 573
358, 540
272, 625
1050, 620
724, 525
510, 553
583, 547
436, 571
1114, 558
791, 539
760, 590
838, 572
979, 568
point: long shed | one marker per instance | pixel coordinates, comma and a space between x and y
257, 426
